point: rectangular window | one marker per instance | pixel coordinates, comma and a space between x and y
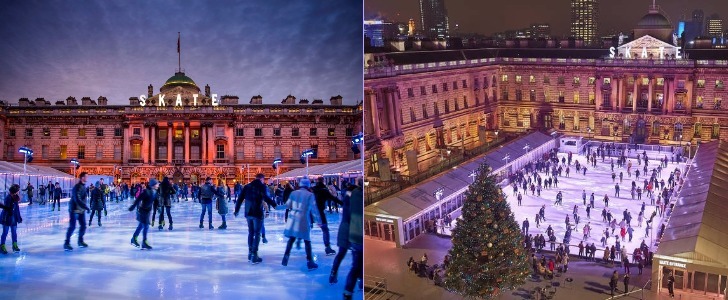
117, 152
518, 78
100, 152
195, 134
295, 132
136, 151
447, 106
546, 80
239, 131
162, 134
444, 87
560, 80
476, 83
295, 151
258, 152
312, 132
195, 152
465, 101
64, 132
220, 131
276, 132
162, 152
630, 80
63, 152
660, 81
277, 151
576, 80
220, 151
332, 132
350, 132
315, 151
607, 81
137, 131
457, 105
435, 108
424, 111
454, 85
504, 78
412, 114
592, 80
465, 83
410, 92
28, 132
434, 88
332, 151
179, 134
532, 79
423, 91
46, 132
100, 132
240, 152
11, 152
719, 84
179, 152
81, 152
576, 97
259, 132
532, 95
44, 151
82, 132
117, 132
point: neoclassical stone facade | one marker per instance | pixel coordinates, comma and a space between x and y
186, 141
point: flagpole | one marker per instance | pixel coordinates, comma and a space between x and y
179, 53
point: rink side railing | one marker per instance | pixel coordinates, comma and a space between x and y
640, 148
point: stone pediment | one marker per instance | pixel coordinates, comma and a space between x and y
646, 41
647, 47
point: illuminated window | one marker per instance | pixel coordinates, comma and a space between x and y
660, 81
592, 80
504, 78
592, 98
699, 102
81, 151
64, 132
195, 133
719, 84
607, 80
46, 132
162, 133
576, 97
518, 78
715, 132
82, 132
701, 83
532, 79
576, 80
332, 132
64, 150
179, 134
630, 80
136, 151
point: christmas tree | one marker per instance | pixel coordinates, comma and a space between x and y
487, 255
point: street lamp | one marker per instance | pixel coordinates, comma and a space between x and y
28, 156
275, 166
76, 165
304, 158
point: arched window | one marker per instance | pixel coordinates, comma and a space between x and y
698, 129
655, 128
677, 136
715, 133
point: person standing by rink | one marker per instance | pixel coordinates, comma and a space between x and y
77, 208
207, 192
29, 190
253, 194
221, 206
56, 197
10, 217
166, 191
144, 204
301, 203
97, 203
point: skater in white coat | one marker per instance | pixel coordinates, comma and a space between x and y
301, 204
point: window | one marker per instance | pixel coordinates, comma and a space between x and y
660, 81
240, 152
296, 151
46, 132
424, 111
295, 132
592, 80
465, 101
718, 84
412, 114
422, 91
220, 151
195, 134
258, 152
64, 132
276, 132
11, 152
447, 106
645, 81
44, 152
81, 152
518, 78
63, 152
136, 151
560, 80
716, 104
630, 80
332, 151
699, 102
681, 84
117, 152
435, 109
220, 131
678, 136
277, 151
312, 132
576, 97
465, 83
100, 132
82, 132
592, 98
332, 132
239, 131
162, 152
137, 131
655, 128
350, 132
476, 83
259, 132
457, 106
454, 85
315, 151
715, 132
532, 95
701, 83
161, 133
519, 95
100, 152
607, 81
576, 80
28, 132
434, 88
117, 132
546, 80
698, 130
504, 94
532, 79
444, 87
504, 78
410, 92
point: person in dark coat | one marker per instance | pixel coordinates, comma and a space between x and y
29, 190
342, 239
144, 202
10, 217
166, 191
356, 241
301, 203
253, 194
322, 197
221, 205
77, 209
57, 191
207, 192
97, 202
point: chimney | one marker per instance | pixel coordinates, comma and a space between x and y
71, 101
229, 100
256, 100
102, 100
337, 100
86, 101
289, 100
303, 101
24, 102
207, 90
150, 91
60, 102
317, 101
41, 102
133, 101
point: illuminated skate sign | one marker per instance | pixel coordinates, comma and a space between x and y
178, 101
646, 47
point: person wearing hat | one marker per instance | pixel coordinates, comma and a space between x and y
207, 192
97, 202
254, 193
144, 202
322, 197
301, 203
77, 208
10, 217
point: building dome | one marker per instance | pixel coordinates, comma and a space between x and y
654, 20
180, 78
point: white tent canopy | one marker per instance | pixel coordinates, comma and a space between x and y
11, 173
351, 168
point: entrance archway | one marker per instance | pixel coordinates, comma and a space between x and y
178, 177
640, 133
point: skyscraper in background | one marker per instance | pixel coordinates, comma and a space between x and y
411, 25
714, 26
433, 16
584, 20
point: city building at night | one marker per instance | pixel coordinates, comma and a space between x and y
433, 19
181, 132
585, 19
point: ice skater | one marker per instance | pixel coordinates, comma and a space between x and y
221, 206
77, 209
10, 217
166, 191
97, 203
144, 204
207, 192
253, 194
322, 194
301, 203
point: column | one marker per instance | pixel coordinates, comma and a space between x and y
145, 145
634, 94
125, 146
153, 145
387, 100
649, 94
187, 142
210, 143
620, 92
169, 142
374, 113
230, 155
614, 95
598, 94
203, 148
397, 115
666, 95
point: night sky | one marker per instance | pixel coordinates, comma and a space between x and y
488, 17
56, 49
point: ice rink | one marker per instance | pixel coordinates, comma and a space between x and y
186, 263
599, 181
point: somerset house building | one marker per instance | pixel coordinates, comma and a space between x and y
180, 132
